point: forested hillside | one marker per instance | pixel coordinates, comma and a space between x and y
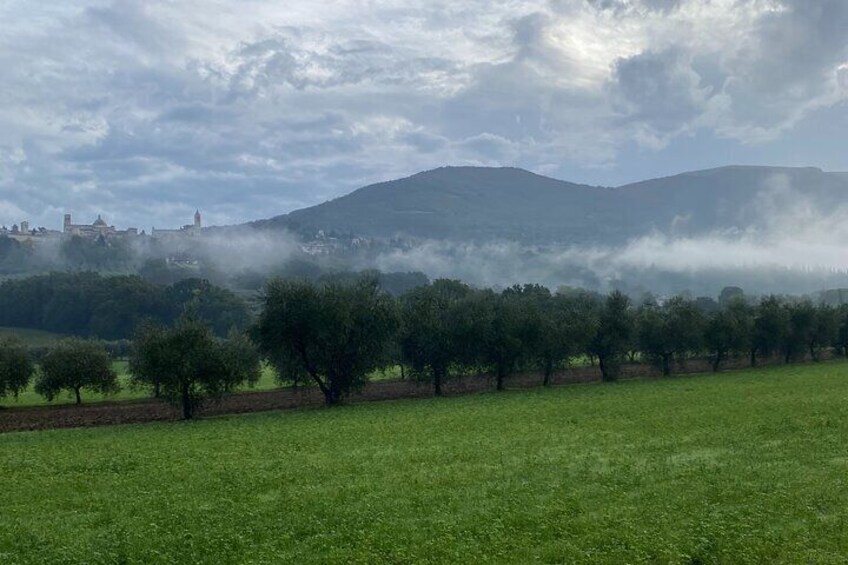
112, 307
476, 203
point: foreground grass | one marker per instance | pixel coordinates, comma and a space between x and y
745, 467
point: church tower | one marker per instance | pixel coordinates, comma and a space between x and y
197, 219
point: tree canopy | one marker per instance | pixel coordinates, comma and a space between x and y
16, 368
335, 334
187, 363
73, 365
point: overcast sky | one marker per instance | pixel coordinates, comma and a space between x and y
145, 111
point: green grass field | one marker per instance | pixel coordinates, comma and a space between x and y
32, 338
30, 398
128, 392
748, 467
36, 338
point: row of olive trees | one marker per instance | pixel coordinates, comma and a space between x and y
70, 365
336, 335
184, 363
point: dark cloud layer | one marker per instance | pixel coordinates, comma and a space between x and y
146, 110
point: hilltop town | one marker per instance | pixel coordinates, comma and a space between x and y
99, 229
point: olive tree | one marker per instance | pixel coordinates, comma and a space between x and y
611, 334
728, 332
770, 328
16, 368
825, 331
800, 332
189, 364
75, 364
671, 331
431, 340
334, 334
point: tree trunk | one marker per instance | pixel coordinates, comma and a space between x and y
666, 365
157, 389
188, 413
402, 373
549, 370
610, 366
500, 378
77, 393
332, 396
753, 357
437, 382
717, 361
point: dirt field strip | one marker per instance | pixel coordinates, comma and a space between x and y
152, 410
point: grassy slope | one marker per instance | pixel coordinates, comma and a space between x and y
744, 467
32, 338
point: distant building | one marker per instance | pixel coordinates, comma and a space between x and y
97, 229
23, 233
186, 230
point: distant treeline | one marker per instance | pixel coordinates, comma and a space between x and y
112, 307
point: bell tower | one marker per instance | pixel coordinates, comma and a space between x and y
197, 219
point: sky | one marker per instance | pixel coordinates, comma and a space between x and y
146, 111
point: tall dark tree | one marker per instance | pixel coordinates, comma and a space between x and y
798, 338
502, 333
188, 364
728, 332
825, 331
432, 336
673, 330
771, 327
75, 364
16, 368
554, 328
841, 337
613, 331
335, 334
730, 294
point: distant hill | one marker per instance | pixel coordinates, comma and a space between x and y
475, 203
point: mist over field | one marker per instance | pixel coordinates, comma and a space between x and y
793, 245
781, 238
655, 263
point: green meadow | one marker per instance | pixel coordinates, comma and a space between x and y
128, 391
267, 381
745, 467
32, 338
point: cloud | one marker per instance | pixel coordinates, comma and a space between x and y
146, 110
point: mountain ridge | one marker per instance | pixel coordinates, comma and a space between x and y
510, 203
